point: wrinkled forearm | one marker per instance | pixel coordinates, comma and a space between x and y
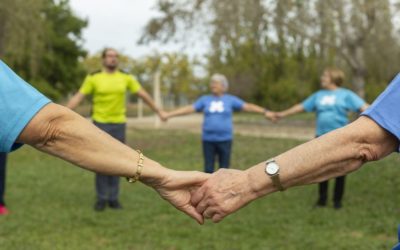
334, 154
60, 132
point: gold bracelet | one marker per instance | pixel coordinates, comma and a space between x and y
136, 177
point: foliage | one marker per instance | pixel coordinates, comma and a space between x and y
41, 40
273, 51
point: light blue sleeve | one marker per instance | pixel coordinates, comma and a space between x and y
200, 104
354, 102
19, 103
309, 104
237, 103
385, 109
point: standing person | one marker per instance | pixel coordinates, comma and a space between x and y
108, 88
331, 105
3, 162
218, 108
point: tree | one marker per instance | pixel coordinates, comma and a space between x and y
274, 50
41, 40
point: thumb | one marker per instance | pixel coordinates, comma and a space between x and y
192, 212
191, 178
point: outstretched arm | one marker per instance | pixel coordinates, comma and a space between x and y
75, 100
334, 154
58, 131
150, 102
250, 107
298, 108
189, 109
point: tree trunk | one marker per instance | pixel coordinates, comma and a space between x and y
359, 82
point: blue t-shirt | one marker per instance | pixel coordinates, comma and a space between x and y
218, 125
332, 107
386, 108
19, 102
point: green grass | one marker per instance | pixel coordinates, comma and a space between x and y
51, 203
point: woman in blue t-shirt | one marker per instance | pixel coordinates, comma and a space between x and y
331, 105
218, 108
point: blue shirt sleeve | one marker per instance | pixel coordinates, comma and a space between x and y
237, 103
200, 104
354, 102
19, 103
385, 109
310, 103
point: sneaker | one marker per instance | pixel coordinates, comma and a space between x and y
115, 205
100, 205
3, 210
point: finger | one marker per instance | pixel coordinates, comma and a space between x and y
191, 211
217, 218
184, 178
202, 206
209, 213
197, 196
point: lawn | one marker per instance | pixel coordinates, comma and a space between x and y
51, 203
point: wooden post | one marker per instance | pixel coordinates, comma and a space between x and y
157, 96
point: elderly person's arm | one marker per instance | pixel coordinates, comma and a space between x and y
189, 109
335, 154
371, 137
61, 132
250, 107
298, 108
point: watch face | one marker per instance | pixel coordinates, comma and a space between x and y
272, 168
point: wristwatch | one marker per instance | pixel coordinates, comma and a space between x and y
272, 170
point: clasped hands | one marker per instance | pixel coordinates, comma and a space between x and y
207, 196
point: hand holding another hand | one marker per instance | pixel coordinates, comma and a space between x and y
177, 187
223, 193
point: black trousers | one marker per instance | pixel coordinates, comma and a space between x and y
338, 191
3, 161
107, 187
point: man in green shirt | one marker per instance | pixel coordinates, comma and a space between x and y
108, 88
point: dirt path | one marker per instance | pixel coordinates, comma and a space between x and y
301, 130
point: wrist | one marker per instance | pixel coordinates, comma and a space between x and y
153, 174
259, 183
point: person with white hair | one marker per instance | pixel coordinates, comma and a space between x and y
218, 108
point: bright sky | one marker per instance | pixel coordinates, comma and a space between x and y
119, 24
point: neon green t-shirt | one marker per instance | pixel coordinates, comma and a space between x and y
109, 94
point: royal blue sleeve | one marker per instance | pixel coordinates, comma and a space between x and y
19, 103
309, 103
237, 103
354, 102
200, 104
385, 110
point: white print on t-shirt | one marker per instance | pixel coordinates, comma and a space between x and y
328, 100
216, 106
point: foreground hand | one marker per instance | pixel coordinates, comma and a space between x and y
177, 188
226, 191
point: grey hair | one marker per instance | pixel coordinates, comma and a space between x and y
221, 79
